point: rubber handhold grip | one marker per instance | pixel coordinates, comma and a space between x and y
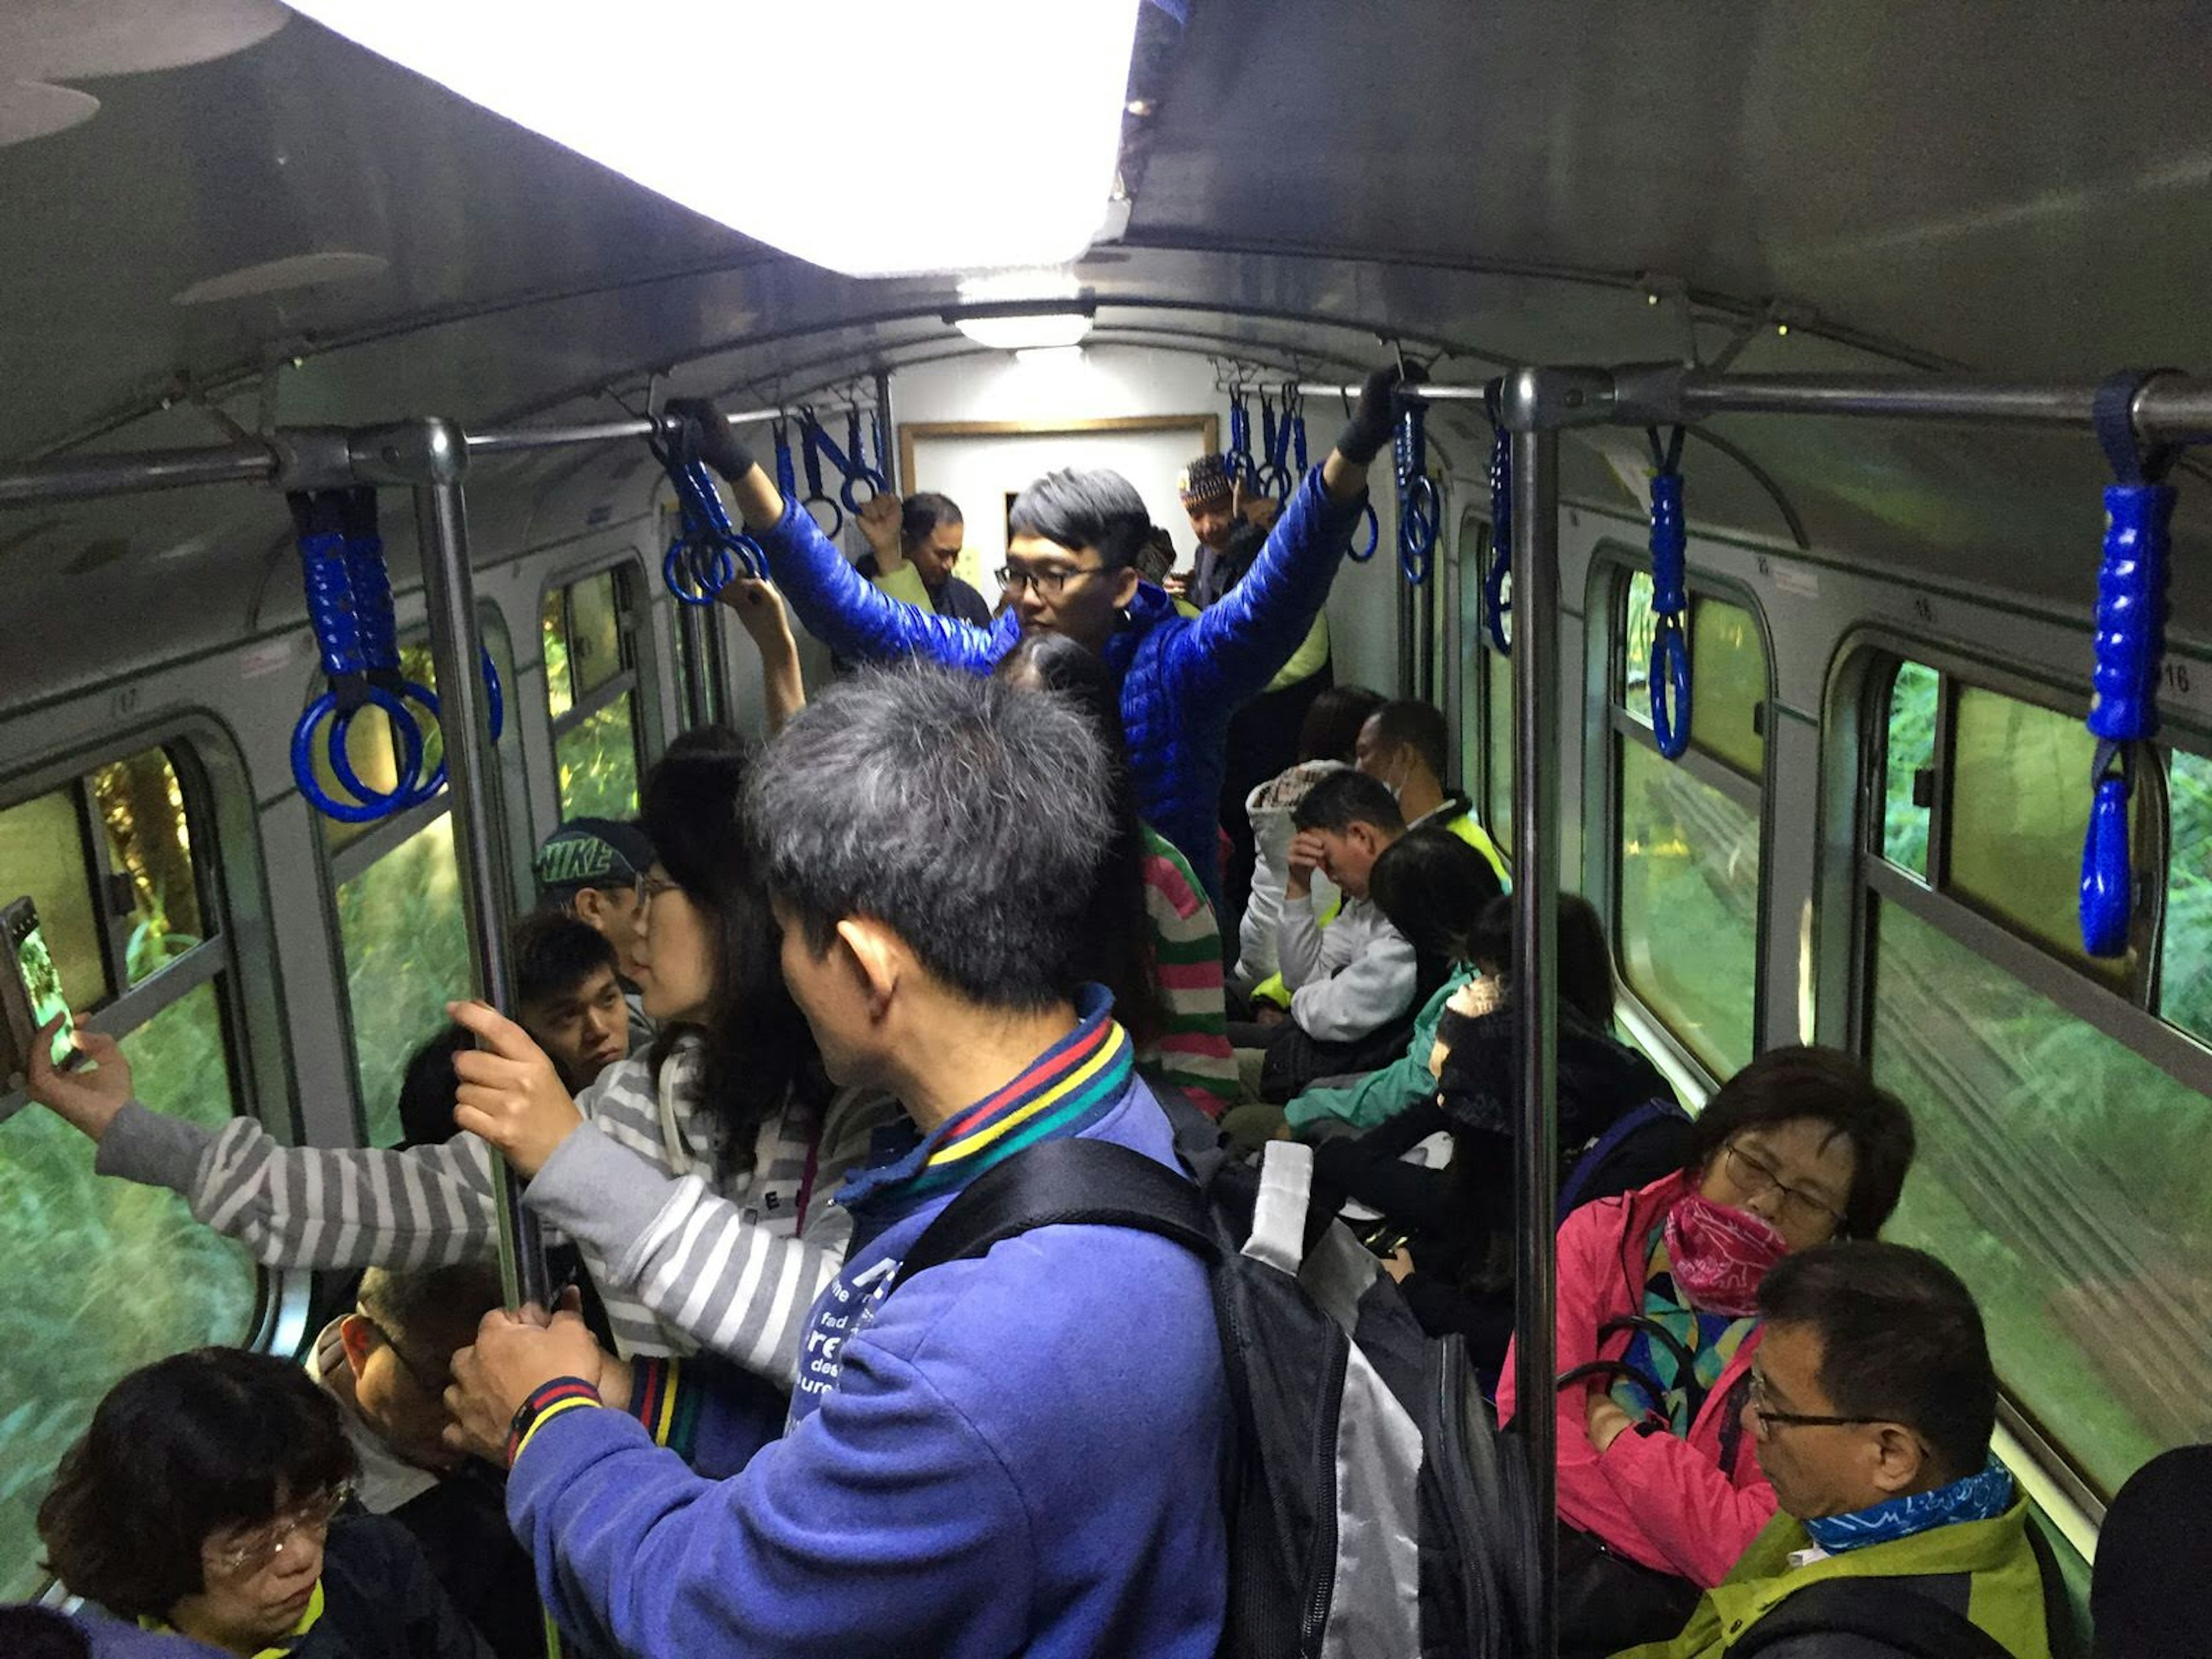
2131, 628
2107, 879
1669, 546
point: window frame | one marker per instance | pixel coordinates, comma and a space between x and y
1614, 565
634, 636
1855, 879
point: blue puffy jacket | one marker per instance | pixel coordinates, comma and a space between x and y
1182, 676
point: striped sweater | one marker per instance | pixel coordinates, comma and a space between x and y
683, 1260
1191, 1052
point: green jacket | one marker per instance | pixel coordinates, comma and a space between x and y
1381, 1095
2004, 1595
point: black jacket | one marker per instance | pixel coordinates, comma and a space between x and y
381, 1601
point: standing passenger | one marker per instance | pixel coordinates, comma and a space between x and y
593, 869
1012, 1453
1070, 568
921, 536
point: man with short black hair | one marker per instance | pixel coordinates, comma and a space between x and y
567, 996
1013, 1453
1872, 1404
914, 543
593, 869
1406, 746
1073, 542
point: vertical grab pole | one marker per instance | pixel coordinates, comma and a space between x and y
1536, 1023
472, 777
888, 463
698, 622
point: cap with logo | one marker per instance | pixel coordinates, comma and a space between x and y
593, 853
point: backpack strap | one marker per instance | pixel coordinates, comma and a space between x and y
1064, 1182
1884, 1610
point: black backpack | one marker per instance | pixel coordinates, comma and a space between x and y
1327, 1369
1883, 1610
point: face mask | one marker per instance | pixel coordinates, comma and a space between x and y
1719, 1255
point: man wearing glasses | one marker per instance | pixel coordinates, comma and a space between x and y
1871, 1406
1071, 568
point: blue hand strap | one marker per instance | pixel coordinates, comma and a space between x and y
1496, 605
707, 551
1419, 508
1671, 598
2130, 643
1237, 459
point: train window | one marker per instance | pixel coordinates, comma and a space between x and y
2019, 805
113, 857
590, 680
1909, 768
1685, 913
2055, 1111
2185, 970
399, 917
1498, 719
2058, 1174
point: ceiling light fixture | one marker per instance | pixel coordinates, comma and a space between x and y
996, 195
1023, 310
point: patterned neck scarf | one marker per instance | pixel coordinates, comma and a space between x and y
1709, 1340
1981, 1497
1720, 1254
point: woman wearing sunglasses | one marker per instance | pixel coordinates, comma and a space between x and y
1659, 1491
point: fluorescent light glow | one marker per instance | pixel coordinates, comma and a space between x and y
1020, 175
1040, 325
1050, 359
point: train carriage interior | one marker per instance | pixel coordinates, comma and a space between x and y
238, 235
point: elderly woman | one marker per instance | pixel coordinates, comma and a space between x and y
1659, 1491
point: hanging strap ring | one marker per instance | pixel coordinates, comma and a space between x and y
811, 438
1670, 678
2131, 647
413, 789
368, 805
853, 462
1357, 554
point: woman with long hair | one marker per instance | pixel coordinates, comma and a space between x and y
694, 1179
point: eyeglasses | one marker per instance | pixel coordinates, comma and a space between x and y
1755, 1179
650, 888
1767, 1419
1049, 582
429, 1380
314, 1515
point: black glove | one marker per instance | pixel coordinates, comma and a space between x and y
711, 439
1375, 415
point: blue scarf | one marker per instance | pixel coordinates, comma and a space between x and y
1981, 1497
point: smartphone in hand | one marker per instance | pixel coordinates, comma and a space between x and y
31, 988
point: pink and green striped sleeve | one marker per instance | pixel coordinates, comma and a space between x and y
1192, 1052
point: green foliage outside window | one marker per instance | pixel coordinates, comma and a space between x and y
2186, 965
405, 939
1687, 923
598, 760
103, 1275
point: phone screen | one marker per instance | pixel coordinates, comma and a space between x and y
42, 986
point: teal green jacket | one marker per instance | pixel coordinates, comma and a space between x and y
2004, 1593
1381, 1095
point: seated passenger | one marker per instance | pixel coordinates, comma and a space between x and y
694, 1179
1326, 740
1012, 1454
1151, 938
205, 1499
1660, 1491
1455, 1264
567, 997
914, 546
388, 1364
428, 1086
2148, 1595
1073, 539
1353, 986
1406, 745
593, 869
1871, 1405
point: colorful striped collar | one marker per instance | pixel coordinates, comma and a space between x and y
1066, 1090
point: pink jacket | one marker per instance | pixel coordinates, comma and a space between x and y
1664, 1502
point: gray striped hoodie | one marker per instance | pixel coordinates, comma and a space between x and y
681, 1263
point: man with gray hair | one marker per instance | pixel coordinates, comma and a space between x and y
1017, 1452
